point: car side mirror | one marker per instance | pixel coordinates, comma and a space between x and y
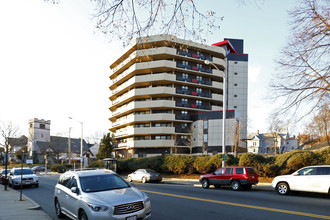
74, 190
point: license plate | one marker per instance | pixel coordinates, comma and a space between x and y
131, 217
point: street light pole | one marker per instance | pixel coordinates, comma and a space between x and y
207, 62
81, 142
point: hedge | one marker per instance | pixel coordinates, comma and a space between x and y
200, 164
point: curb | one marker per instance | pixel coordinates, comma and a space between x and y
35, 206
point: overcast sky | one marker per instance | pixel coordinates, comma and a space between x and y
53, 65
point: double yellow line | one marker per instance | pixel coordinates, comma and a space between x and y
243, 205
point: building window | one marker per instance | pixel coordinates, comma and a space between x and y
235, 106
199, 78
199, 90
185, 75
184, 101
235, 73
205, 138
198, 102
235, 62
184, 113
235, 95
205, 124
184, 87
235, 84
42, 135
42, 126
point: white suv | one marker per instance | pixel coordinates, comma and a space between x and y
26, 175
308, 179
99, 194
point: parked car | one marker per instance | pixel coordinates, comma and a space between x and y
4, 180
27, 175
99, 194
38, 169
307, 179
145, 175
236, 177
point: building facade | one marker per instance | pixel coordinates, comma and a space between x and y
279, 142
157, 84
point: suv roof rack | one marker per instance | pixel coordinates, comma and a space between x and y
84, 169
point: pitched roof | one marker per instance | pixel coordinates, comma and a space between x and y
60, 145
19, 142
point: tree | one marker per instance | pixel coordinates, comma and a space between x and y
127, 20
106, 146
8, 130
320, 125
275, 126
19, 153
303, 77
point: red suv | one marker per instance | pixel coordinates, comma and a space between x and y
236, 177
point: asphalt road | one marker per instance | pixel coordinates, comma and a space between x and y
170, 201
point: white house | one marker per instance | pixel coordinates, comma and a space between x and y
267, 143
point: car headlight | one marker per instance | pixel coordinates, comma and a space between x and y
147, 200
98, 208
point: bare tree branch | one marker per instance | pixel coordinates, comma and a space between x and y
303, 76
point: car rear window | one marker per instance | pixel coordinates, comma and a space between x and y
323, 171
239, 171
251, 171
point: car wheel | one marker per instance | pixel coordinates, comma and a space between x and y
36, 185
143, 180
235, 185
205, 183
82, 215
129, 179
282, 188
217, 186
58, 209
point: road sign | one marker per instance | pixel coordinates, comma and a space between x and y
224, 157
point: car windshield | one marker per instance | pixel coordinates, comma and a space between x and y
25, 172
102, 183
150, 171
4, 171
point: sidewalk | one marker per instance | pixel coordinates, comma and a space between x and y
12, 208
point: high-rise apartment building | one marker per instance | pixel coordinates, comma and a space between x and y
157, 84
